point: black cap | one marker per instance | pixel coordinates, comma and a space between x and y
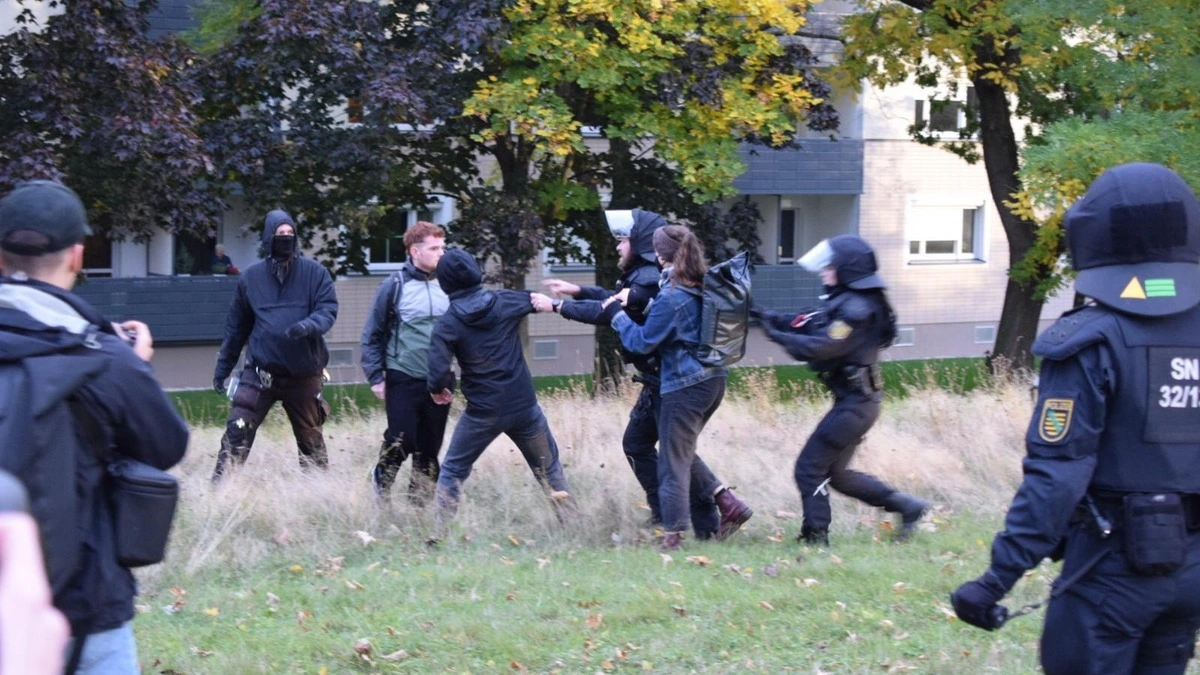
40, 217
1134, 239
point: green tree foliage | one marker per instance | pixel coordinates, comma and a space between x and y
89, 100
1035, 64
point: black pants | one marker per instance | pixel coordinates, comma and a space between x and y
640, 445
305, 408
682, 417
1114, 620
415, 428
828, 452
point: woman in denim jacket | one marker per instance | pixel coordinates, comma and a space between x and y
691, 391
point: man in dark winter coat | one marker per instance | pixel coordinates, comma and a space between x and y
842, 344
716, 511
42, 227
281, 309
481, 331
1112, 465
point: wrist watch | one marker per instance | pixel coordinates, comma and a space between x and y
556, 305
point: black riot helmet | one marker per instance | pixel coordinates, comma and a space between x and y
850, 256
638, 226
1134, 239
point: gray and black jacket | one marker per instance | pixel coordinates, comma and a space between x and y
403, 314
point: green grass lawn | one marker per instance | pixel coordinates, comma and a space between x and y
503, 604
201, 407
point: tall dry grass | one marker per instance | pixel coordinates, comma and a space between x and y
962, 451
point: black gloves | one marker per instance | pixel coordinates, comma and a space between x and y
300, 329
975, 602
758, 315
218, 384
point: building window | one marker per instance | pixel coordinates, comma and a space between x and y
946, 228
545, 350
946, 115
340, 357
98, 256
905, 337
787, 236
386, 252
985, 335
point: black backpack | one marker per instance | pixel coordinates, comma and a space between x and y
41, 444
725, 312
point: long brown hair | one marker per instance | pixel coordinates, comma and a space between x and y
678, 246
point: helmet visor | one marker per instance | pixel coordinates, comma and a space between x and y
620, 223
818, 257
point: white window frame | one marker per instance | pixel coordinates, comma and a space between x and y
962, 97
916, 227
906, 336
338, 353
441, 209
985, 335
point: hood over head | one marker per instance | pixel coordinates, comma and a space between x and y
457, 272
1134, 239
641, 235
273, 221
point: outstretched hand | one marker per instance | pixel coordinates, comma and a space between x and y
560, 287
541, 302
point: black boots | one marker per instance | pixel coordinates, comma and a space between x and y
910, 509
813, 537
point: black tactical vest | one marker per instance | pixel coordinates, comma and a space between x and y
1151, 438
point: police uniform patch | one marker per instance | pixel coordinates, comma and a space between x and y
839, 330
1055, 421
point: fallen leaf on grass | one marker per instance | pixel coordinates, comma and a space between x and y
701, 560
296, 569
898, 588
516, 666
766, 605
396, 656
587, 604
666, 559
283, 537
732, 568
785, 515
807, 583
594, 621
542, 562
679, 610
353, 585
141, 609
212, 611
510, 597
272, 601
834, 559
363, 649
777, 537
201, 652
302, 616
515, 542
364, 537
771, 570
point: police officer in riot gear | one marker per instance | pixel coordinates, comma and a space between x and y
1115, 439
841, 340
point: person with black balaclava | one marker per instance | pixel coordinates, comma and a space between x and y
841, 341
716, 512
282, 308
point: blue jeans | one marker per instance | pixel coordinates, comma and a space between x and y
111, 652
682, 417
527, 428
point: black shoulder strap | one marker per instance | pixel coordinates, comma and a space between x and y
393, 313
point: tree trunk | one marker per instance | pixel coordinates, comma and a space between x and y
1019, 318
609, 367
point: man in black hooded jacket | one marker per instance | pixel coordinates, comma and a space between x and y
843, 347
281, 309
716, 511
480, 330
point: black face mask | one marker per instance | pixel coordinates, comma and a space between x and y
282, 246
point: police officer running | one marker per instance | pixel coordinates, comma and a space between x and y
1113, 449
841, 341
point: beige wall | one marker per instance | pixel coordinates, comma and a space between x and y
933, 293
